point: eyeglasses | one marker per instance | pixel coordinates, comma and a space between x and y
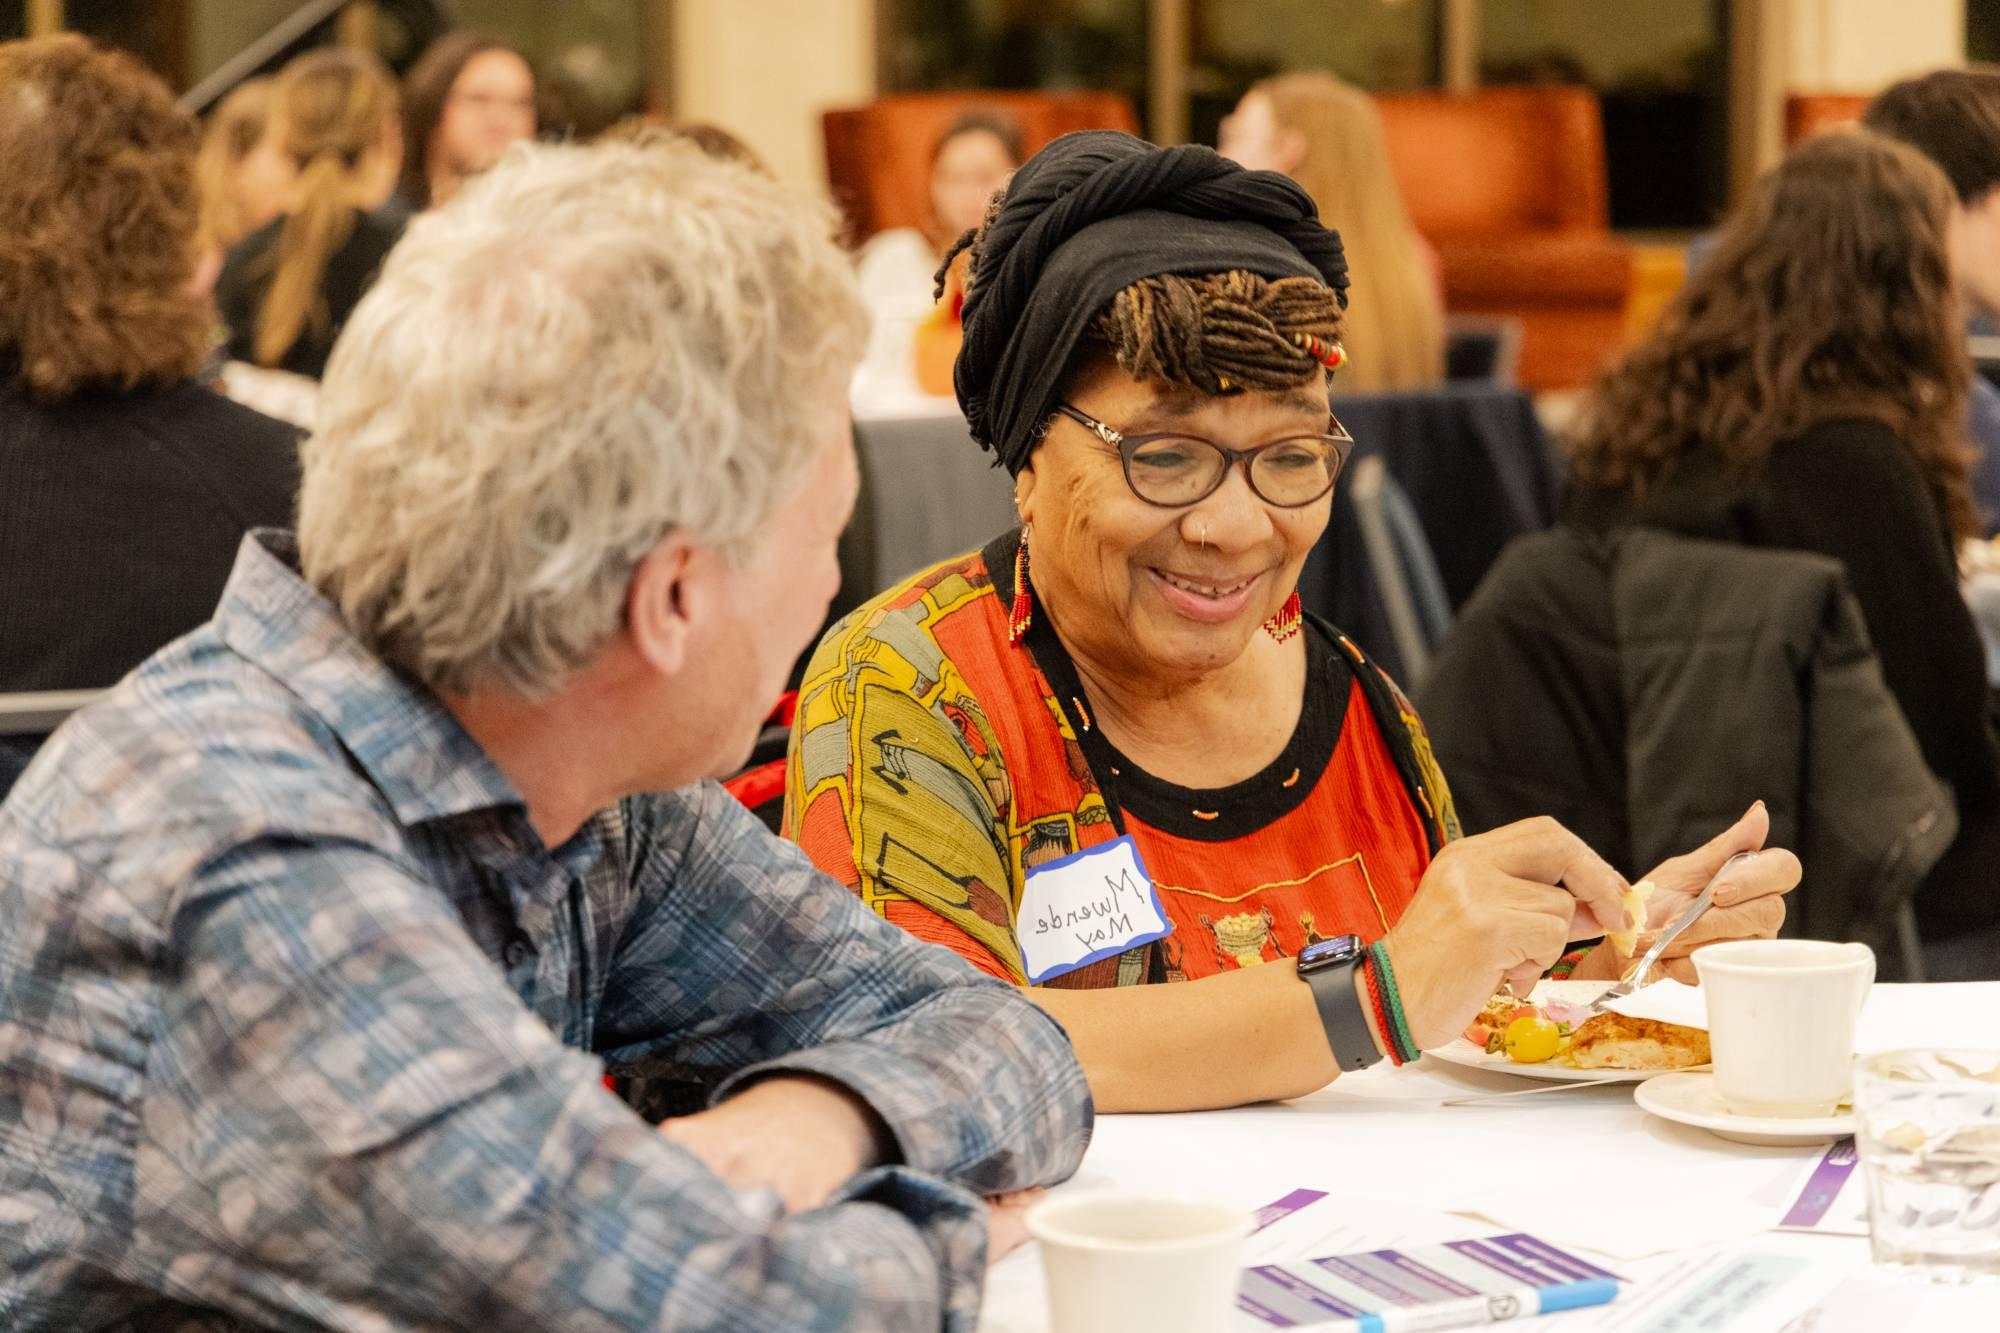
1173, 471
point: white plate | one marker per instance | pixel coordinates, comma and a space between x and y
1691, 1099
1459, 1051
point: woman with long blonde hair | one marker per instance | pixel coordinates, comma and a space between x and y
244, 179
1327, 136
287, 288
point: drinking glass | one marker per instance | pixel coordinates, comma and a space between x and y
1927, 1123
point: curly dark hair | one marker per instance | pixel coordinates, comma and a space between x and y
1213, 332
1829, 294
98, 213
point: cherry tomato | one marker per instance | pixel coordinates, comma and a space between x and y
1531, 1040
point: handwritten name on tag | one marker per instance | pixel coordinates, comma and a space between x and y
1091, 904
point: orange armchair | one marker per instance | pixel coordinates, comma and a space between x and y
878, 157
1509, 186
1807, 114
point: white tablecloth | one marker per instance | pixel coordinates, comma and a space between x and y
1583, 1169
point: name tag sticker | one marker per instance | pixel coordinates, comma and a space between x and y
1092, 904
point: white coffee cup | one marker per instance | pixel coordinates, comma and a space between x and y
1781, 1017
1128, 1263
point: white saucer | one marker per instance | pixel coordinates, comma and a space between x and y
1691, 1099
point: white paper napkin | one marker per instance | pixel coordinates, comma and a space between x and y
1666, 1001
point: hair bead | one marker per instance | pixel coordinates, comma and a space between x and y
1330, 354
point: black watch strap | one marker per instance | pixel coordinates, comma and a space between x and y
1340, 1013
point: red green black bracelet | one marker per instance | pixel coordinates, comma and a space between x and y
1382, 1021
1567, 963
1392, 1002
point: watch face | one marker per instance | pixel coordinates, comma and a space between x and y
1339, 949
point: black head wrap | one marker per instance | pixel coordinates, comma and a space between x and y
1085, 218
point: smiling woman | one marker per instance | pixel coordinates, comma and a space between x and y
1123, 690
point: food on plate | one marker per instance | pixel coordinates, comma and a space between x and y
1528, 1034
1615, 1041
1569, 1035
1634, 903
1531, 1039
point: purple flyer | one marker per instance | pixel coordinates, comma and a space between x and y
1280, 1209
1822, 1188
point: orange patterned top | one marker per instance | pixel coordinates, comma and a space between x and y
934, 763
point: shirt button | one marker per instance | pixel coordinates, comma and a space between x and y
518, 952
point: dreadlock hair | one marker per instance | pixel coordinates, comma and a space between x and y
1213, 332
1219, 331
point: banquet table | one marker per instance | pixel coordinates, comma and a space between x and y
1687, 1217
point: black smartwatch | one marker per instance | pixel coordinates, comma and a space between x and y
1328, 967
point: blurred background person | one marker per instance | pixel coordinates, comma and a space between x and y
244, 178
974, 157
1327, 136
125, 484
1952, 116
287, 288
465, 102
656, 130
1806, 390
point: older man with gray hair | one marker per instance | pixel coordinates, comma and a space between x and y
318, 933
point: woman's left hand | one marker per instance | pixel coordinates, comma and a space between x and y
1749, 901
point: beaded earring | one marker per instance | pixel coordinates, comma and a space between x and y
1286, 622
1022, 612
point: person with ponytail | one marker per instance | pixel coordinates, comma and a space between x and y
1108, 750
244, 180
287, 288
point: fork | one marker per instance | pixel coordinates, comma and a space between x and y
1635, 976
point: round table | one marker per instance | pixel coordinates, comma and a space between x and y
1583, 1168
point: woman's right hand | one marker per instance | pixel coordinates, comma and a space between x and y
1499, 906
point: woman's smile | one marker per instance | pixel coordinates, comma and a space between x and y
1208, 598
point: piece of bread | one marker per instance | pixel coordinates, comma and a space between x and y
1614, 1041
1634, 902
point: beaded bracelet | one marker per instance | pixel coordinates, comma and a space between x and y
1379, 952
1567, 963
1382, 1023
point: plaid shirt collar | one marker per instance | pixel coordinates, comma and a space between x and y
412, 749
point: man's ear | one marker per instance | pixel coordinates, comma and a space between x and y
668, 595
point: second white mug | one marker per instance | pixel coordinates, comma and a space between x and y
1781, 1016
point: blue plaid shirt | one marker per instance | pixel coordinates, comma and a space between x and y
302, 1027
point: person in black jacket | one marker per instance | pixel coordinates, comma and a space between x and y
126, 485
1806, 390
1670, 681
